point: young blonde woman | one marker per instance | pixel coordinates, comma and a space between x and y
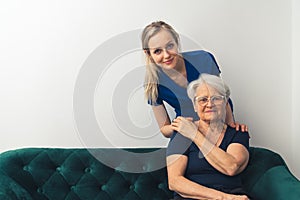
168, 72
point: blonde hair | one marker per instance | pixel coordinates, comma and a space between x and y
151, 76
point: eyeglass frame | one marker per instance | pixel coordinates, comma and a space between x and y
211, 99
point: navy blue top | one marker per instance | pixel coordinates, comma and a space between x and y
198, 168
196, 62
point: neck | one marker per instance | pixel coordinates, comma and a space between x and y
214, 132
178, 74
178, 70
206, 127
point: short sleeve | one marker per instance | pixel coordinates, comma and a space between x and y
215, 70
158, 102
241, 138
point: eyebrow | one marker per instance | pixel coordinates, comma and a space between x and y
161, 47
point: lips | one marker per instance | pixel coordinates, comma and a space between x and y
168, 62
210, 111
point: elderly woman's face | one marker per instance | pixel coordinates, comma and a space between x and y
210, 104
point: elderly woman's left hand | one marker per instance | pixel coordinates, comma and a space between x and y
185, 126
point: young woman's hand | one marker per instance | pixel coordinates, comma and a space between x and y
238, 126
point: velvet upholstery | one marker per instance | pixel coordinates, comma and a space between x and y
50, 173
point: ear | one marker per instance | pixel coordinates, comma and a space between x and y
195, 107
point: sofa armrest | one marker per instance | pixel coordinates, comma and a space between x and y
278, 183
3, 195
10, 190
268, 177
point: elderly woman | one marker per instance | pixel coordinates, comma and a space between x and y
205, 157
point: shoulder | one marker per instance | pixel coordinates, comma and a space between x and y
199, 56
232, 133
203, 61
196, 53
234, 136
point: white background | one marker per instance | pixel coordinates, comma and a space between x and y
43, 45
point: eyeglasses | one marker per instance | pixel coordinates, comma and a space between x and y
216, 100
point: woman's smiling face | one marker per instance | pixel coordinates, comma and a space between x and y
164, 50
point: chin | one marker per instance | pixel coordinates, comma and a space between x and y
168, 67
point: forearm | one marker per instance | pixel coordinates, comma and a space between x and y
167, 130
217, 157
163, 120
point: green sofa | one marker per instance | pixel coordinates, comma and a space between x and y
51, 173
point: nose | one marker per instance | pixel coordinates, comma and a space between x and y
209, 103
166, 53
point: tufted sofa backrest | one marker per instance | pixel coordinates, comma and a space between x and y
78, 174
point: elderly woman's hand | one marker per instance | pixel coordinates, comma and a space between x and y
236, 197
185, 126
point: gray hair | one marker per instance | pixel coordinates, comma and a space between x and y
213, 81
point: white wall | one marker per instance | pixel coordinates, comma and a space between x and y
45, 44
295, 86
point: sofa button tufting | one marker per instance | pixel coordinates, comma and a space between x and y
161, 186
26, 168
39, 190
58, 169
87, 170
103, 187
73, 188
131, 187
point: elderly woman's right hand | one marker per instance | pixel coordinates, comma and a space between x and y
236, 197
185, 126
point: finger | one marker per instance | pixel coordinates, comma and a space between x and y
175, 124
237, 127
243, 128
189, 118
232, 125
174, 127
175, 120
179, 118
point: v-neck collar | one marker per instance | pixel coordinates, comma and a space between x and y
186, 64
